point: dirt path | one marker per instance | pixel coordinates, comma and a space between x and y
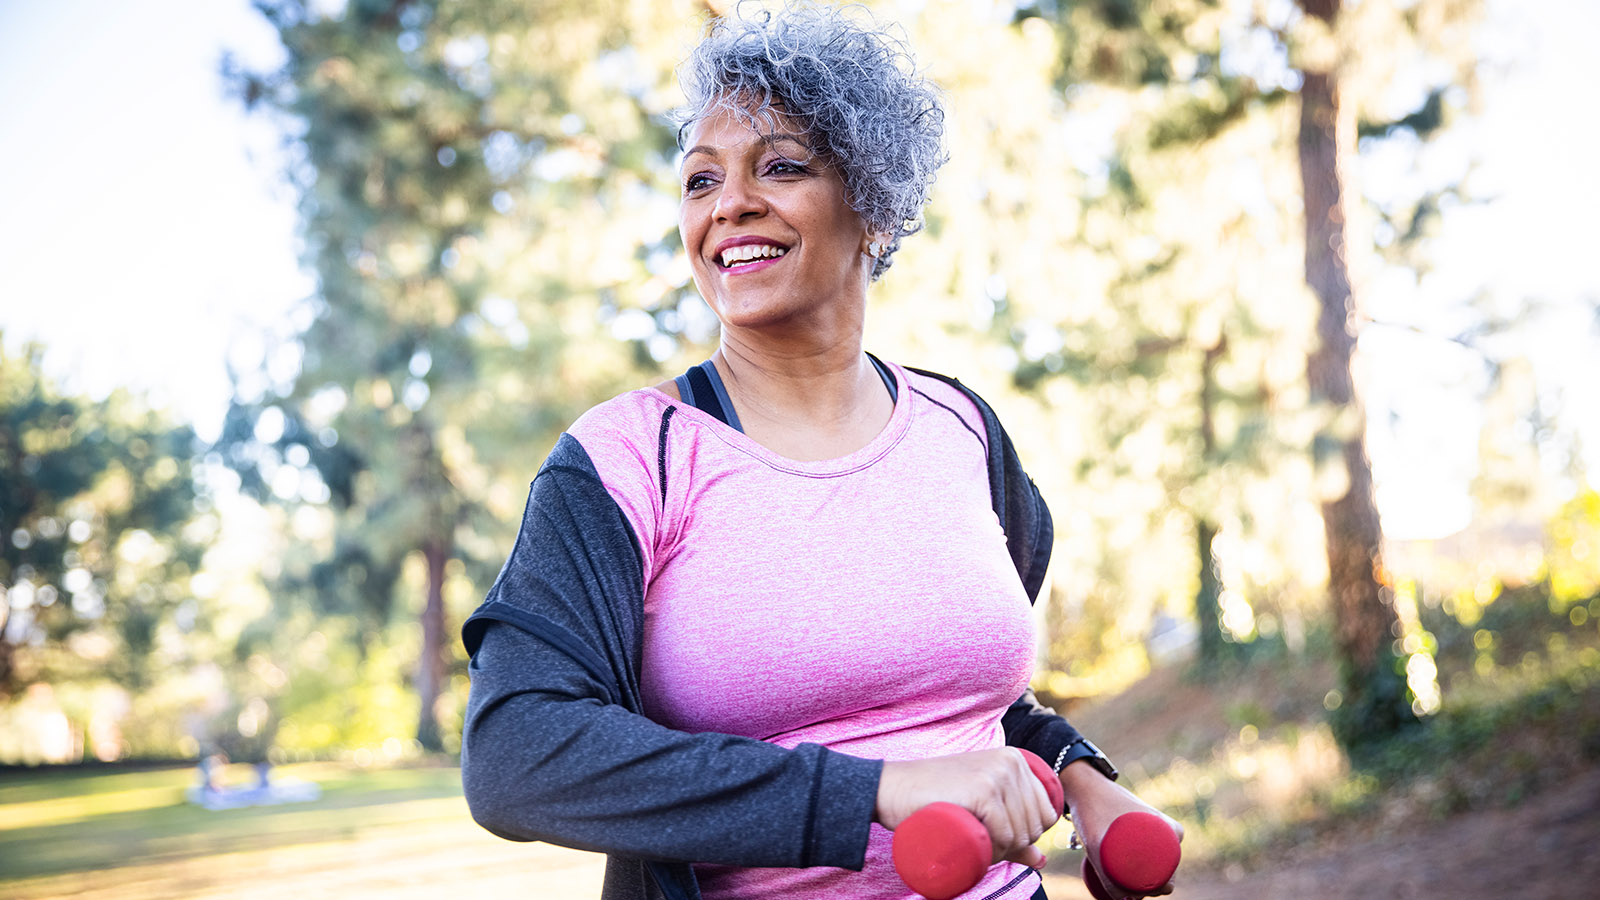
1546, 847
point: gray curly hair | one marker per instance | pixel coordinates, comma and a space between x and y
849, 82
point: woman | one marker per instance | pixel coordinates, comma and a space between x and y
758, 615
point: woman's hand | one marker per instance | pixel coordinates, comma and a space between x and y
995, 785
1094, 802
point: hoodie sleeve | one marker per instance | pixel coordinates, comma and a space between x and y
554, 747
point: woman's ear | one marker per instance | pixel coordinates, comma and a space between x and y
877, 243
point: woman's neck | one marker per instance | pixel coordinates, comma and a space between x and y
805, 401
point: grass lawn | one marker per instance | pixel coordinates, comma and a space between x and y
392, 832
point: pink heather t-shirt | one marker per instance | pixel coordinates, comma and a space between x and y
865, 603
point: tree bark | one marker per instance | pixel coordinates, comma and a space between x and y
431, 663
8, 668
1207, 600
1374, 701
1207, 610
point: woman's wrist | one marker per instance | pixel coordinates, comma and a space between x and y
1080, 778
887, 778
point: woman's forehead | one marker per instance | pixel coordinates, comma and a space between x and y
761, 115
724, 130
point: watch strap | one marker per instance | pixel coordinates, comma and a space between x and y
1084, 749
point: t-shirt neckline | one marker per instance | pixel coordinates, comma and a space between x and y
871, 452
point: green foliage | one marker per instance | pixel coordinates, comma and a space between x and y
1187, 362
1573, 557
1195, 368
101, 529
1126, 42
467, 173
1522, 675
340, 697
1248, 764
1502, 744
1422, 121
1376, 704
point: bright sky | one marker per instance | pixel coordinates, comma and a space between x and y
137, 237
139, 241
1531, 251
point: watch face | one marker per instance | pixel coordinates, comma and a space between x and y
1086, 750
1104, 765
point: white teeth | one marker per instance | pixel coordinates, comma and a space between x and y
744, 253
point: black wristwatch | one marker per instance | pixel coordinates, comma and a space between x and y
1084, 749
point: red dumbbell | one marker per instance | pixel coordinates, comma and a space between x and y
1139, 853
941, 850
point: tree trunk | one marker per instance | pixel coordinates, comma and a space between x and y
1374, 701
1207, 600
1207, 609
8, 668
431, 663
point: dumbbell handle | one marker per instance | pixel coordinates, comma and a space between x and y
942, 850
1139, 854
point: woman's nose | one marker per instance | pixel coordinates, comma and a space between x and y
740, 198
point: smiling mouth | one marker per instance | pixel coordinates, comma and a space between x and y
749, 254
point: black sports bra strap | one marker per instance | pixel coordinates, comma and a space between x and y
701, 388
887, 376
705, 396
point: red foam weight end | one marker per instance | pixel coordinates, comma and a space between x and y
941, 851
1091, 880
1052, 784
1140, 852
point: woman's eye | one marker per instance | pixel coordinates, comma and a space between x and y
696, 182
785, 167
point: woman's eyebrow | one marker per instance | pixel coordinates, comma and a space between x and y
772, 139
766, 139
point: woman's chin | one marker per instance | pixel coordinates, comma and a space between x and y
750, 316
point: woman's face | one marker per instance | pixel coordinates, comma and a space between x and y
765, 223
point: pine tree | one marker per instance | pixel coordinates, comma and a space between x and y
1365, 621
101, 528
1221, 72
466, 171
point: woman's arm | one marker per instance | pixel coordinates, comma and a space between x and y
1094, 802
555, 748
546, 757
